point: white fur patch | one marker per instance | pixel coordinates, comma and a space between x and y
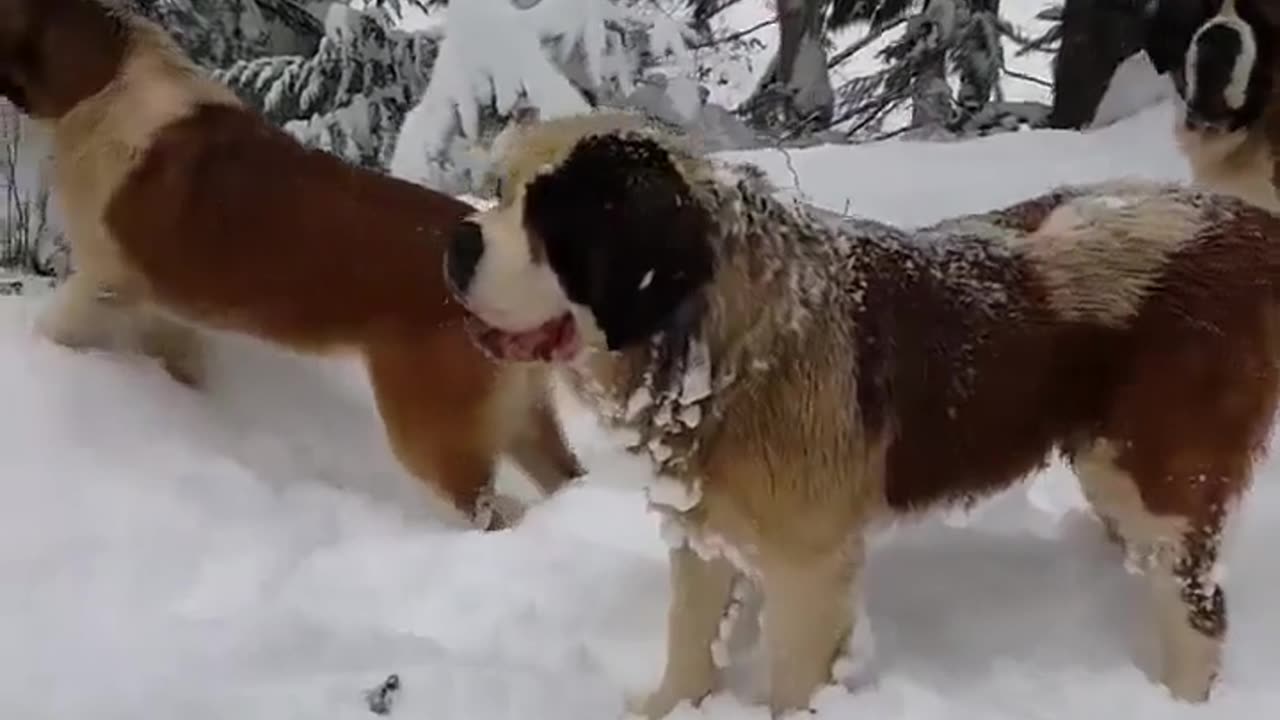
721, 652
509, 290
710, 546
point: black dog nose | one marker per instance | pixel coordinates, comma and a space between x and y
464, 254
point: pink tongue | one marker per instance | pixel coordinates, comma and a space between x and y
529, 344
547, 342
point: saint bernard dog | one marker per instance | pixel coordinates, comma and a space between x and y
795, 381
184, 209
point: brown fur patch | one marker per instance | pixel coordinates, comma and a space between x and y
249, 204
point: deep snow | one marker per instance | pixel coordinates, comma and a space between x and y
255, 552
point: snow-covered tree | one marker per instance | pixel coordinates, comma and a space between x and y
795, 92
217, 33
940, 38
351, 95
549, 57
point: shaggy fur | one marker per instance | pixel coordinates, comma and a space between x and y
796, 381
1222, 56
185, 209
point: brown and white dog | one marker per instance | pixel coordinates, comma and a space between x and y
795, 381
1222, 57
186, 209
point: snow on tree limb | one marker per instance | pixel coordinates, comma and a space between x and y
497, 57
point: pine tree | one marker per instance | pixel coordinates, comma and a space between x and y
351, 95
217, 33
939, 36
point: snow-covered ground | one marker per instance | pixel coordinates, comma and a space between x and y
254, 551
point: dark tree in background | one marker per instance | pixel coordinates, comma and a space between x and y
1094, 37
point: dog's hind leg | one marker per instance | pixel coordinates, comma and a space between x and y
1176, 551
86, 313
177, 346
83, 314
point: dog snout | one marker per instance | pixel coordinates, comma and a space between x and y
464, 254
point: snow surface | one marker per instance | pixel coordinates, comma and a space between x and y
255, 552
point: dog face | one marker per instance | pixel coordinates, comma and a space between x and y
600, 247
54, 53
1219, 54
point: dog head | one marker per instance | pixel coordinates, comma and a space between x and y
1220, 55
598, 241
55, 53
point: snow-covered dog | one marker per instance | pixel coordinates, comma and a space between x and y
796, 381
1221, 55
186, 209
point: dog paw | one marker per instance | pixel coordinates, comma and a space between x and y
185, 366
498, 512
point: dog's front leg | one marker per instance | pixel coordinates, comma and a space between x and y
808, 617
700, 592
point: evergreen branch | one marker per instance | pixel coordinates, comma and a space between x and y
862, 43
712, 42
1027, 78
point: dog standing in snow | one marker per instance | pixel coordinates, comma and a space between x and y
1222, 57
185, 209
797, 381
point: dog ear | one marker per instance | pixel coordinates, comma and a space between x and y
622, 230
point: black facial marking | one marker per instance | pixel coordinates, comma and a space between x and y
1217, 50
623, 233
1171, 31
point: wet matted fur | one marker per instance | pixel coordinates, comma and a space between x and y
1223, 58
795, 381
185, 209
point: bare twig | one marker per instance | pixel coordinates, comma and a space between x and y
734, 36
1028, 78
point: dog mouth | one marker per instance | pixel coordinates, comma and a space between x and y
556, 340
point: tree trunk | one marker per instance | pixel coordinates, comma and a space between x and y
1097, 35
796, 91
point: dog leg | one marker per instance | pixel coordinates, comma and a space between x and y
447, 429
808, 616
87, 313
1176, 553
83, 314
700, 592
540, 449
177, 346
